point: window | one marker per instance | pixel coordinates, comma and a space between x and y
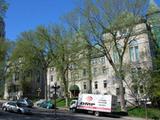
104, 69
94, 61
133, 50
51, 78
135, 89
96, 85
38, 76
118, 91
84, 72
105, 83
123, 32
141, 89
76, 76
51, 69
94, 71
115, 57
102, 60
16, 76
115, 53
84, 85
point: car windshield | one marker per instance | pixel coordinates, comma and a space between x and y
73, 102
12, 103
21, 105
29, 101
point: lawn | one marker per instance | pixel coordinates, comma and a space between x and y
60, 102
141, 112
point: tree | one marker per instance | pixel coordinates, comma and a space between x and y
33, 50
73, 20
138, 82
3, 44
5, 65
47, 47
153, 24
3, 7
3, 48
66, 54
110, 25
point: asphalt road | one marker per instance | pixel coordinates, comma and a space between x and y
45, 114
59, 116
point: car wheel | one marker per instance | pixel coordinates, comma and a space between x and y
73, 110
47, 107
19, 111
4, 108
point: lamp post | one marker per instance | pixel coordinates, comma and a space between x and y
55, 87
38, 92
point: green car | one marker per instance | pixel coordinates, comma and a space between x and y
47, 104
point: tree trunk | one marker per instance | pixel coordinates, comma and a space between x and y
122, 98
65, 88
45, 83
89, 68
66, 94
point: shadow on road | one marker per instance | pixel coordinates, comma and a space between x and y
109, 115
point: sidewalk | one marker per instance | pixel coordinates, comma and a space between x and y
63, 109
134, 118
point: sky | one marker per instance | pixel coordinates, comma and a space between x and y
24, 15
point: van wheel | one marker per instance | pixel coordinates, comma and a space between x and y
96, 114
73, 110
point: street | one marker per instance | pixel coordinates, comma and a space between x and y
36, 115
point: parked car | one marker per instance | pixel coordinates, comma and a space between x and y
15, 107
37, 103
47, 104
25, 102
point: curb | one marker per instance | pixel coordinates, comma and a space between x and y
39, 109
134, 118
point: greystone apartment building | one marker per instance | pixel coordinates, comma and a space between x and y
103, 77
138, 55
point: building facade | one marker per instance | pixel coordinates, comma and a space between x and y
138, 57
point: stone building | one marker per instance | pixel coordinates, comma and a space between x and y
139, 54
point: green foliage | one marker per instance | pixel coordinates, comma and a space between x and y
152, 7
45, 47
1, 88
154, 83
3, 8
34, 52
5, 53
124, 20
26, 86
74, 88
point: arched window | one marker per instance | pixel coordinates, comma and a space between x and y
133, 50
